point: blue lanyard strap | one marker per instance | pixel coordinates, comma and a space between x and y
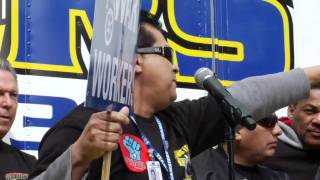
168, 166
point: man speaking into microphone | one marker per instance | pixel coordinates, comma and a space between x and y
161, 135
252, 144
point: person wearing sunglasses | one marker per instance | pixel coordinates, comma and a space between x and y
161, 134
251, 148
164, 51
299, 146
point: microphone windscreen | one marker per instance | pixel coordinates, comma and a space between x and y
201, 75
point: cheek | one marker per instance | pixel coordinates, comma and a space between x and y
258, 138
301, 123
165, 76
13, 110
250, 139
303, 126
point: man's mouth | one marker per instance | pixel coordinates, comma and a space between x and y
274, 144
314, 131
4, 119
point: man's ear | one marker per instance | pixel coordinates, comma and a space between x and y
137, 67
290, 111
238, 136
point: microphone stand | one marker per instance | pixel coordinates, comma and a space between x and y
230, 144
233, 115
233, 118
235, 112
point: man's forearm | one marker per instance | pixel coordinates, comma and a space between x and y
62, 168
79, 166
313, 74
262, 95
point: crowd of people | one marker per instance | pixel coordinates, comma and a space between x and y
175, 140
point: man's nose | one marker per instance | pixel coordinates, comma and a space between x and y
175, 68
276, 130
316, 119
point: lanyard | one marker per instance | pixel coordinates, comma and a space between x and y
168, 166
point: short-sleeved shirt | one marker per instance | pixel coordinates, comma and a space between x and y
189, 126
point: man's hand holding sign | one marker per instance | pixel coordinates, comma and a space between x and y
101, 135
110, 82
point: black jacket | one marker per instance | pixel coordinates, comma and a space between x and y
298, 162
213, 165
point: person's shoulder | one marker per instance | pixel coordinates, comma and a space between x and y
17, 154
274, 174
75, 119
210, 164
190, 104
72, 125
214, 153
79, 116
28, 159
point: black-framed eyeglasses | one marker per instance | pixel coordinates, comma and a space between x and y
164, 51
269, 121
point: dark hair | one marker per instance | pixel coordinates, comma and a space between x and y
145, 37
5, 65
315, 86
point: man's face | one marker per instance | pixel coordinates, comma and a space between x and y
159, 74
306, 119
257, 145
8, 101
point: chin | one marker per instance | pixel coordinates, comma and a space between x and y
173, 94
3, 133
312, 144
270, 153
174, 97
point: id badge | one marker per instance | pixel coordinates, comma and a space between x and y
154, 170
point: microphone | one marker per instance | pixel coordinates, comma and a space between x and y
208, 80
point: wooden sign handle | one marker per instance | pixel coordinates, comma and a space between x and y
105, 175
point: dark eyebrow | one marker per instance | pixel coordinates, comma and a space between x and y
312, 107
309, 105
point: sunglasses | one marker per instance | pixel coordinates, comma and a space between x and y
164, 51
269, 121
